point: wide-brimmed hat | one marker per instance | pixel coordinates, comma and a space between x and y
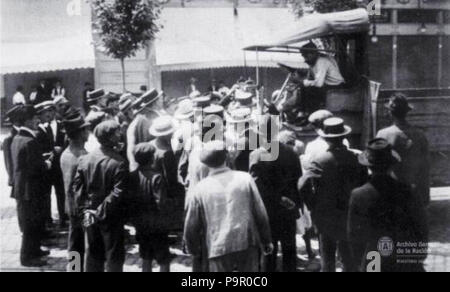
379, 153
75, 124
213, 153
240, 115
399, 103
43, 106
334, 128
162, 126
185, 110
317, 118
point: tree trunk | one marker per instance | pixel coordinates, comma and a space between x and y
122, 63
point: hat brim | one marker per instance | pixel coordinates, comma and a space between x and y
145, 105
347, 131
230, 120
155, 133
184, 116
395, 158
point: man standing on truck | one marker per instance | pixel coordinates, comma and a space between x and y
324, 75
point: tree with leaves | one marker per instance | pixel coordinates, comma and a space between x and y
124, 27
324, 6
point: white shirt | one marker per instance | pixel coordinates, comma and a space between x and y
29, 131
54, 126
326, 72
18, 98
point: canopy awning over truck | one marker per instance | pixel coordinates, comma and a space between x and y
316, 26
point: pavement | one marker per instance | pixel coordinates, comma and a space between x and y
10, 239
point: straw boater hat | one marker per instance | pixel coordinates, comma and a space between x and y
317, 118
125, 104
146, 100
95, 95
379, 153
245, 98
43, 106
240, 115
334, 128
185, 110
162, 126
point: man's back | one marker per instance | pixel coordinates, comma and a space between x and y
337, 174
231, 212
29, 167
384, 208
276, 179
100, 182
412, 145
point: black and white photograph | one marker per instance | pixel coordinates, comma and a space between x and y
220, 136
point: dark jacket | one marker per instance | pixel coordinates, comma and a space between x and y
29, 167
277, 179
101, 183
385, 208
412, 145
149, 204
7, 155
166, 164
327, 185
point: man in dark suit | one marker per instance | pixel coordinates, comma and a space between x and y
52, 138
277, 182
385, 208
29, 187
100, 192
43, 93
13, 116
412, 146
326, 187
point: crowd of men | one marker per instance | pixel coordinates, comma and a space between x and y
128, 162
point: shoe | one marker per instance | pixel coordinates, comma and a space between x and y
34, 263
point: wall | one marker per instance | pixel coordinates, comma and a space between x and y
73, 81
